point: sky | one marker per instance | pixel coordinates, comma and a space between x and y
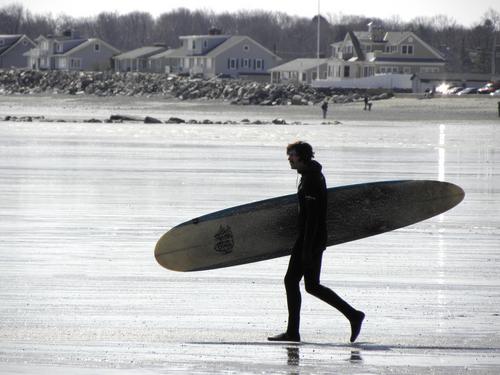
466, 13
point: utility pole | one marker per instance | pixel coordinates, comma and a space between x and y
494, 54
318, 44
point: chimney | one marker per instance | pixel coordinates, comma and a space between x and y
214, 31
377, 32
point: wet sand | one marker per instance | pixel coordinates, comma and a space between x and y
83, 205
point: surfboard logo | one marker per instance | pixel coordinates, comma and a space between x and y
224, 240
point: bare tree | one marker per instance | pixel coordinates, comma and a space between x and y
11, 18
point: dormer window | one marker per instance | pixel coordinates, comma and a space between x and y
59, 48
205, 44
193, 44
407, 49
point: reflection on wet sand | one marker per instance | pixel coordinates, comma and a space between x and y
355, 356
293, 355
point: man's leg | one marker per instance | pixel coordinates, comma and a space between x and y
293, 299
314, 287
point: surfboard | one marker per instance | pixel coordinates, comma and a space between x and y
267, 229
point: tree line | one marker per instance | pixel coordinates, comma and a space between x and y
467, 49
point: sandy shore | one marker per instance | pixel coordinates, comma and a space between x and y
403, 108
84, 204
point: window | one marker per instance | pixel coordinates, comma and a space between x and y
246, 63
75, 63
232, 64
97, 47
429, 69
59, 47
407, 49
259, 64
246, 48
2, 42
205, 44
406, 70
347, 71
61, 63
193, 44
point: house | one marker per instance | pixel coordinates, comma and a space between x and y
69, 51
12, 50
303, 70
136, 60
366, 54
168, 61
215, 54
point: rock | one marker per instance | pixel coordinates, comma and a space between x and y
297, 100
93, 120
175, 120
152, 120
125, 118
279, 121
236, 91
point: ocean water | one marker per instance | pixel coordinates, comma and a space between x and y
84, 204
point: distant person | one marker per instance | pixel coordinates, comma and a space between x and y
324, 107
310, 243
368, 105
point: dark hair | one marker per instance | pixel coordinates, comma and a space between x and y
303, 149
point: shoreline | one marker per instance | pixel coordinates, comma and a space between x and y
86, 108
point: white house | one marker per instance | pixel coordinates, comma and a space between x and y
216, 54
70, 52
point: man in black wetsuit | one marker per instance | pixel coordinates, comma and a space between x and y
307, 252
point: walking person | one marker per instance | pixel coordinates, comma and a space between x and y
324, 108
307, 252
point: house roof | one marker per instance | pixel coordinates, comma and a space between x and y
87, 43
176, 52
233, 41
9, 40
392, 38
408, 59
140, 52
222, 47
299, 65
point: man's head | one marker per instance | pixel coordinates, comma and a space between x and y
299, 154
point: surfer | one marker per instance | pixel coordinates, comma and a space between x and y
307, 251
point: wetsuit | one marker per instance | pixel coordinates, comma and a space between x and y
307, 252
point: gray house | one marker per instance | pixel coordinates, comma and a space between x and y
137, 60
12, 50
299, 71
364, 54
70, 52
215, 54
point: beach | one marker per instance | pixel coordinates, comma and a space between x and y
83, 205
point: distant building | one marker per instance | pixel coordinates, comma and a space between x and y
137, 60
216, 54
365, 54
12, 50
70, 52
303, 70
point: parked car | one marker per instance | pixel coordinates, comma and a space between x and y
467, 91
489, 88
495, 93
453, 90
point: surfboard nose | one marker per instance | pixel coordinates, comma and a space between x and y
455, 194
